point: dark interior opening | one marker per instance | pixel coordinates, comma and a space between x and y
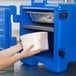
42, 27
37, 10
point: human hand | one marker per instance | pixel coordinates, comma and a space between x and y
28, 53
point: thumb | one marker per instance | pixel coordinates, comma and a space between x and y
30, 47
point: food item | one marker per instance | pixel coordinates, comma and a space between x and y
38, 39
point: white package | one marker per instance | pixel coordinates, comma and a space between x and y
38, 39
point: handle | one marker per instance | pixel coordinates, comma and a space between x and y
39, 2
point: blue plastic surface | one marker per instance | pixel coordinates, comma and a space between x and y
6, 39
64, 39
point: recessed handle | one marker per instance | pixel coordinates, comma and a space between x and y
63, 15
39, 2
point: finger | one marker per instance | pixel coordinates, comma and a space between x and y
30, 47
40, 49
35, 52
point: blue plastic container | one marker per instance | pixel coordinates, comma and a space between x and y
6, 39
62, 41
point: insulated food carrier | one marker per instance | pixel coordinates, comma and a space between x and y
56, 18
